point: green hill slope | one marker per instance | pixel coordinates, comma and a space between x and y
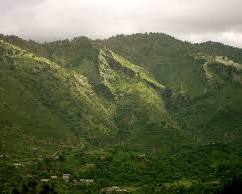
140, 114
205, 80
146, 112
143, 83
47, 100
216, 115
58, 101
168, 59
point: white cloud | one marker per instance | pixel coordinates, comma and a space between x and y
194, 20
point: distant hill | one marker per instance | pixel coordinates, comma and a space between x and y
146, 112
127, 86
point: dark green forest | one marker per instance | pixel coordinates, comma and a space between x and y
141, 113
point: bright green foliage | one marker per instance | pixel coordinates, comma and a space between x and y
140, 109
64, 94
144, 112
167, 58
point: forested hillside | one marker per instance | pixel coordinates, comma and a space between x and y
141, 113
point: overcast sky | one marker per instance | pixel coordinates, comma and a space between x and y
193, 20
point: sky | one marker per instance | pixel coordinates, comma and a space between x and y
191, 20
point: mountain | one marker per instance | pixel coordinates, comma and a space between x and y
206, 77
46, 100
120, 105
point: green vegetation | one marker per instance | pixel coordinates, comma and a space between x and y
143, 113
194, 169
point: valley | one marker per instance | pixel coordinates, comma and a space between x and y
141, 113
